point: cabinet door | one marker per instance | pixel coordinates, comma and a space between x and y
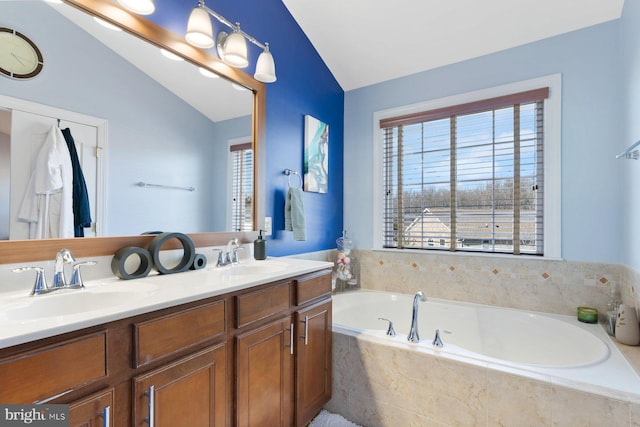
264, 375
313, 363
189, 392
92, 411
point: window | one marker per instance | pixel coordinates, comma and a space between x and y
470, 176
242, 187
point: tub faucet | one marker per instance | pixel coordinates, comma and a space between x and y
390, 331
413, 332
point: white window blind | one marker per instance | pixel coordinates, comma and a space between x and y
242, 187
467, 177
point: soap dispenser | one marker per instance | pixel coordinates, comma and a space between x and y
260, 247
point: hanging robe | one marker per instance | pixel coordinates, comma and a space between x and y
48, 202
81, 208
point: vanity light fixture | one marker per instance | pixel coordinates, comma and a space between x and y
265, 67
232, 48
141, 7
199, 29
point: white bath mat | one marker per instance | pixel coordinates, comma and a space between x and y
327, 419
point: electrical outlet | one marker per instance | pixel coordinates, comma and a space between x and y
267, 226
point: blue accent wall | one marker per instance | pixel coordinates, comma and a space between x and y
304, 86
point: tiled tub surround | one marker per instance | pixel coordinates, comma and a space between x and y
530, 284
382, 385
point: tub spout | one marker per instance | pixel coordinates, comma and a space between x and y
413, 332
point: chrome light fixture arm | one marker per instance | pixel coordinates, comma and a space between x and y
234, 27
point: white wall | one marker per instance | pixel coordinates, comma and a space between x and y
592, 199
630, 169
5, 157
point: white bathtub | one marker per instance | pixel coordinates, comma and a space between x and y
533, 343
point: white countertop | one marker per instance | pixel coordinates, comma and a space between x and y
25, 318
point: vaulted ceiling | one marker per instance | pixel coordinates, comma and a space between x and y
391, 39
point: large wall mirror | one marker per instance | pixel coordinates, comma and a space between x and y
165, 123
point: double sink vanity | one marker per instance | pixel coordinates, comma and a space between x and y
245, 345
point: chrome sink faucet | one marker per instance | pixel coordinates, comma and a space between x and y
63, 257
413, 332
231, 255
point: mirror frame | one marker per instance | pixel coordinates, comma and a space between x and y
38, 250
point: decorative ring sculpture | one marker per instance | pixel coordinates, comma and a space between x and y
118, 263
188, 256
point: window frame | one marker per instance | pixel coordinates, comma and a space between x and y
552, 158
233, 143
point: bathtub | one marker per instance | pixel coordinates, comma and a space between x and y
575, 354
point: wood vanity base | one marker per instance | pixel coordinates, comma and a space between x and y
257, 357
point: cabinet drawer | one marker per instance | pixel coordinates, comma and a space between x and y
53, 370
261, 304
313, 286
166, 335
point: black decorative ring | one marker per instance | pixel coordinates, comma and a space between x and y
189, 252
122, 255
199, 262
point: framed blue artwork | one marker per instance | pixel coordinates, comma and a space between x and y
316, 155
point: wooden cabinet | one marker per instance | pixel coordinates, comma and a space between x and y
255, 357
189, 392
61, 367
93, 411
164, 336
313, 363
283, 368
264, 375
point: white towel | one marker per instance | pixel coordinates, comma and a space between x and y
294, 214
48, 203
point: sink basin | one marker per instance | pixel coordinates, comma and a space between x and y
70, 302
257, 268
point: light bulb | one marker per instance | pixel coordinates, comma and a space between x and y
199, 30
235, 50
265, 67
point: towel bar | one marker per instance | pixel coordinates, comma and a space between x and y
145, 184
290, 172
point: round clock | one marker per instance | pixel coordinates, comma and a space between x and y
20, 58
